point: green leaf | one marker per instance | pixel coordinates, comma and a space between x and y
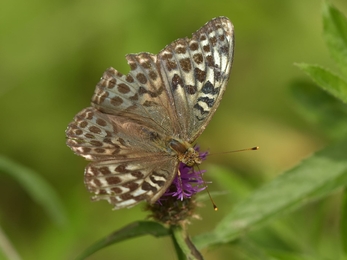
315, 177
335, 34
38, 188
327, 80
290, 256
135, 229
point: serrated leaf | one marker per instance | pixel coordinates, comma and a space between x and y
37, 187
327, 80
315, 177
335, 34
135, 229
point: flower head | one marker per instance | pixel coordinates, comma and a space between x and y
188, 182
177, 203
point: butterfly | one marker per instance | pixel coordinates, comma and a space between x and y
140, 126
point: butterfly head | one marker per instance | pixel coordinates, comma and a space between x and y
185, 152
191, 157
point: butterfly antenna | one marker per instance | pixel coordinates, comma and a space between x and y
208, 192
236, 151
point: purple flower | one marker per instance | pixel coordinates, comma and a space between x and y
188, 183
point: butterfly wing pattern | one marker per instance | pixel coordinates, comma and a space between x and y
142, 124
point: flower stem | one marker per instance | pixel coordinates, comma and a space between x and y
185, 249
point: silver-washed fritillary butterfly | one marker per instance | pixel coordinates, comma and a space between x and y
143, 124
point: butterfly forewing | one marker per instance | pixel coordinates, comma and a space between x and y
197, 71
99, 136
139, 119
89, 135
139, 96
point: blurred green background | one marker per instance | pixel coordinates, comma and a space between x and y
53, 54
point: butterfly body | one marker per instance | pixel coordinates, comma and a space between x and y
185, 152
143, 124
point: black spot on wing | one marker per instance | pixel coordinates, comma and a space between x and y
208, 101
160, 182
208, 88
148, 187
201, 109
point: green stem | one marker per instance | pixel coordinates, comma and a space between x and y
185, 249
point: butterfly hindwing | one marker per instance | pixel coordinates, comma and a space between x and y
130, 164
124, 183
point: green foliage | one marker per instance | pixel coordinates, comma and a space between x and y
335, 35
316, 177
134, 229
327, 80
329, 113
37, 188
